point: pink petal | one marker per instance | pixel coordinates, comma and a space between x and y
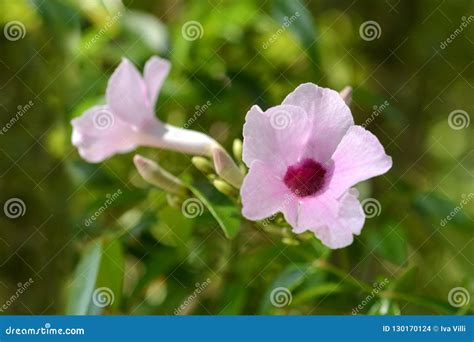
127, 95
99, 134
154, 74
333, 221
263, 192
329, 117
276, 136
358, 157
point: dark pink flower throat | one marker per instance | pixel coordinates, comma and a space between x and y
305, 178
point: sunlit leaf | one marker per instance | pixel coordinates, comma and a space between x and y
300, 23
84, 280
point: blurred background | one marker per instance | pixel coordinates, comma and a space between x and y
411, 66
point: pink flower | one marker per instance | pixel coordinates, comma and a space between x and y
304, 156
128, 119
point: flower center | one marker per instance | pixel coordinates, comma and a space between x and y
305, 178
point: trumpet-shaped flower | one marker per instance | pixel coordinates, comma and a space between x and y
304, 157
127, 120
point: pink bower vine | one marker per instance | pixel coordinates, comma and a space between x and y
306, 168
303, 166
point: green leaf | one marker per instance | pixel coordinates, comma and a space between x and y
172, 228
320, 290
300, 23
442, 211
111, 270
290, 278
145, 32
227, 216
84, 280
390, 243
99, 273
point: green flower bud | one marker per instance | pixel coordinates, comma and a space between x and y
237, 149
159, 177
203, 165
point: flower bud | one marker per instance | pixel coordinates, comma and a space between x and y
224, 187
226, 167
237, 149
157, 176
346, 94
203, 165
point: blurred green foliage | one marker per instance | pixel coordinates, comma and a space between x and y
150, 255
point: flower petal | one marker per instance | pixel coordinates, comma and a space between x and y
275, 137
329, 118
358, 157
154, 74
333, 221
98, 134
127, 95
263, 193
